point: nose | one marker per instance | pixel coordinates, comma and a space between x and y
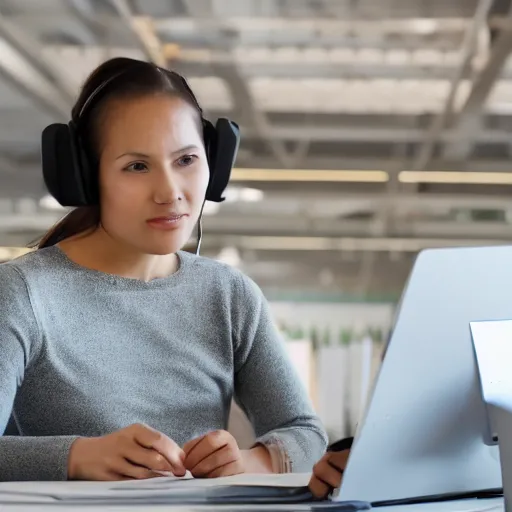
167, 189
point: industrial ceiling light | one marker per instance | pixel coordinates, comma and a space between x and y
243, 194
423, 26
376, 244
211, 208
311, 175
48, 202
9, 253
251, 195
371, 176
456, 177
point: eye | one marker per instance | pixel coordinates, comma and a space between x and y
186, 160
137, 167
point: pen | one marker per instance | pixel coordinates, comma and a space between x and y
342, 444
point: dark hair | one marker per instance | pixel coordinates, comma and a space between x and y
115, 79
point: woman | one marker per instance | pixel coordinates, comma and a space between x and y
119, 352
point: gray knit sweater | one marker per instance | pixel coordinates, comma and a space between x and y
85, 353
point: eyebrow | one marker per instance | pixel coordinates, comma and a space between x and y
143, 155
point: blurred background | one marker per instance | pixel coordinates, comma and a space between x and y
370, 130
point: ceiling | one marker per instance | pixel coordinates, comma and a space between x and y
349, 110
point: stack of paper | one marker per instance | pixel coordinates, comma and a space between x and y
240, 489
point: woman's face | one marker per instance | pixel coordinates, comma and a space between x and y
153, 173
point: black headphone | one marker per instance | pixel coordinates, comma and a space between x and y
72, 179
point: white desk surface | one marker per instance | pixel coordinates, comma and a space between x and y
473, 505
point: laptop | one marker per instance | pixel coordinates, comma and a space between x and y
425, 431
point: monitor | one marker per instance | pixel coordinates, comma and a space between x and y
425, 431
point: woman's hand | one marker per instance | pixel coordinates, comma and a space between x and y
135, 452
328, 473
213, 455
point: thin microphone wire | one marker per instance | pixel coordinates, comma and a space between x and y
200, 230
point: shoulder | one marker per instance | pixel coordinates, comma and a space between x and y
222, 275
15, 294
28, 277
11, 281
24, 268
17, 305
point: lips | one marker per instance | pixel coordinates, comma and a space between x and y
167, 223
169, 218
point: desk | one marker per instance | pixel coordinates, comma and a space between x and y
473, 505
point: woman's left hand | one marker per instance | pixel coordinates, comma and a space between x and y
214, 455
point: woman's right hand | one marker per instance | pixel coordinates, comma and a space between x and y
134, 452
328, 473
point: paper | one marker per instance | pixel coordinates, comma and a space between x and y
284, 480
162, 489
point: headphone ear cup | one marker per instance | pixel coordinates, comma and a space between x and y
222, 142
66, 171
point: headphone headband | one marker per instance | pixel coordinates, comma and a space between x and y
165, 72
96, 91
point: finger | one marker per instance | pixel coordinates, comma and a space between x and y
200, 451
150, 438
115, 477
339, 459
163, 473
125, 468
327, 473
209, 444
188, 447
233, 468
221, 457
148, 458
318, 488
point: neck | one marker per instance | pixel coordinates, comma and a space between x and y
99, 251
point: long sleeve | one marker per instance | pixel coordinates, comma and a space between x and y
22, 458
268, 388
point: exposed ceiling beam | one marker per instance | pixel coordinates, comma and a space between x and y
343, 244
29, 222
33, 168
257, 31
325, 245
303, 226
435, 131
30, 50
196, 62
362, 134
469, 118
309, 212
8, 167
273, 225
336, 203
94, 25
245, 107
142, 28
366, 162
321, 24
23, 65
24, 131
